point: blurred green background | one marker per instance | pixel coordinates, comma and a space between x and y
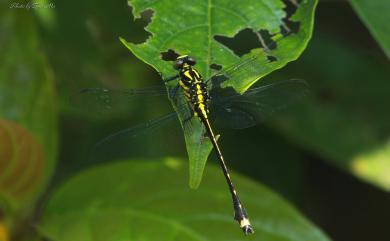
329, 156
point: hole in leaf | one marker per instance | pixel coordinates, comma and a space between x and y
291, 7
146, 16
242, 43
169, 55
288, 25
272, 58
265, 38
138, 33
216, 67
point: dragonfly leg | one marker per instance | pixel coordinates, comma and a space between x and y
205, 136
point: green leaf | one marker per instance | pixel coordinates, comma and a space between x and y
147, 200
346, 119
28, 118
192, 28
375, 15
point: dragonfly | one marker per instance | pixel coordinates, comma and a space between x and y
208, 102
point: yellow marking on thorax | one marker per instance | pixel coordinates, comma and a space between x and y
196, 73
187, 74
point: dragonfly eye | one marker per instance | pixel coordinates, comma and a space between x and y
178, 64
191, 61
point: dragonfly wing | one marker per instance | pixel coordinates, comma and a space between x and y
256, 104
138, 130
101, 100
228, 116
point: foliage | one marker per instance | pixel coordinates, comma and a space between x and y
148, 200
28, 118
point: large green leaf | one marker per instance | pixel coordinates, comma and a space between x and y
191, 28
375, 15
28, 118
147, 200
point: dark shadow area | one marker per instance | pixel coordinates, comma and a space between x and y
347, 208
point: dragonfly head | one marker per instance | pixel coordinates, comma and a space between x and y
183, 61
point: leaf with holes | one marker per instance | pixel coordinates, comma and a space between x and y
28, 131
279, 32
148, 200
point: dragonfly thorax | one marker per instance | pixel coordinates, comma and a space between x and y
193, 86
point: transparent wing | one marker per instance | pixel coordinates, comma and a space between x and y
125, 142
232, 117
185, 113
102, 101
139, 129
233, 110
182, 109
